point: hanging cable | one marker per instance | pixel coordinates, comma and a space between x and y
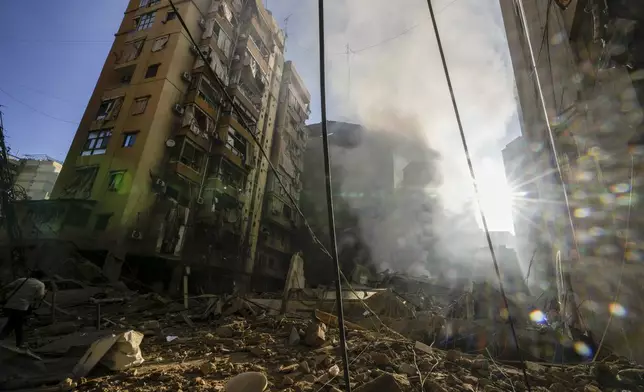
329, 197
476, 193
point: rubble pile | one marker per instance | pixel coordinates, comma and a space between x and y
119, 340
204, 359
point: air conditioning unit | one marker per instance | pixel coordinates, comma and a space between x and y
180, 110
187, 76
136, 235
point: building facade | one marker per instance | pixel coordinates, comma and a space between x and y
165, 162
588, 57
35, 175
275, 236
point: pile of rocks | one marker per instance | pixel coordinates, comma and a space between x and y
295, 355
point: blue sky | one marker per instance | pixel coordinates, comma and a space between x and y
52, 53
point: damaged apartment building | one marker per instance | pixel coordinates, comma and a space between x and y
589, 58
165, 170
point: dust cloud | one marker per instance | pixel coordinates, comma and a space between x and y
393, 81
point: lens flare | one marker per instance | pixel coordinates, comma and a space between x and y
537, 316
582, 349
617, 309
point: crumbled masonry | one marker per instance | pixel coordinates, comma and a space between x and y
294, 353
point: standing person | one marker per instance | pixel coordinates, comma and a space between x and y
22, 296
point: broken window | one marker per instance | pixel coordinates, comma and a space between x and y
160, 43
96, 143
102, 221
139, 105
223, 41
208, 93
129, 138
80, 186
236, 143
192, 156
152, 71
109, 109
202, 120
231, 176
171, 15
115, 181
144, 21
130, 52
148, 3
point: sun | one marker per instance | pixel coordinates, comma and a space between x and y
496, 197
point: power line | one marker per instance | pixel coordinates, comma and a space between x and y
476, 191
329, 197
37, 110
48, 95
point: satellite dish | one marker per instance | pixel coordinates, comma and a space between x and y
170, 143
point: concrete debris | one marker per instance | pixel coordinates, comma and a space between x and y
238, 349
315, 334
294, 337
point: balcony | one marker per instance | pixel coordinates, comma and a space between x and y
259, 52
251, 101
186, 170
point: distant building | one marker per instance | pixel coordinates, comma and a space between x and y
362, 172
35, 174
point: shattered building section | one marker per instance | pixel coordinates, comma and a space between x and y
590, 74
163, 166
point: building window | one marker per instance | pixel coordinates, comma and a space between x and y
160, 43
223, 41
152, 71
130, 52
102, 221
115, 180
109, 109
236, 143
171, 16
192, 156
139, 105
148, 3
230, 175
129, 138
287, 211
144, 21
96, 143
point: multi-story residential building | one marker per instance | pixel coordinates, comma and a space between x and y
588, 56
161, 155
280, 220
36, 175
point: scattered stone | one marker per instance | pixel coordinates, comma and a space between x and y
304, 367
225, 331
287, 381
535, 367
315, 334
288, 368
200, 381
433, 386
207, 368
385, 382
380, 359
308, 378
334, 370
453, 355
408, 369
294, 337
247, 382
68, 385
481, 364
257, 351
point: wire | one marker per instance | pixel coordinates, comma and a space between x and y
329, 196
476, 190
37, 110
621, 272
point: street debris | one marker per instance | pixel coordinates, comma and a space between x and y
146, 342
